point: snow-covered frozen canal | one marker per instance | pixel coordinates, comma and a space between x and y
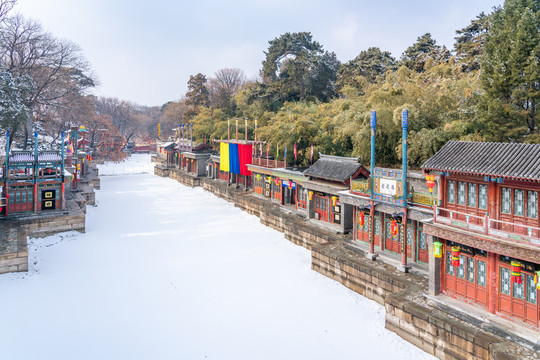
169, 272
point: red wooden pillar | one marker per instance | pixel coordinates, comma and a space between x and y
382, 236
355, 221
404, 266
63, 198
492, 282
414, 247
372, 227
35, 199
493, 201
7, 199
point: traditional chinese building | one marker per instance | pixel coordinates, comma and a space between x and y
281, 184
387, 232
328, 177
34, 181
194, 161
168, 153
486, 228
235, 156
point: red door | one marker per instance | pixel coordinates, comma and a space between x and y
391, 243
321, 207
362, 231
517, 301
421, 244
468, 280
21, 199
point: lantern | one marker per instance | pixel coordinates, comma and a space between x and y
438, 249
290, 184
361, 218
310, 195
537, 279
334, 199
455, 256
515, 268
277, 181
430, 182
258, 177
394, 227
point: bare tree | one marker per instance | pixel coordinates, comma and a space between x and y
57, 67
224, 86
5, 7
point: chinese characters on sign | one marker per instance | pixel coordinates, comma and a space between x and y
388, 187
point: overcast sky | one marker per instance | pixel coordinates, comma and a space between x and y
145, 51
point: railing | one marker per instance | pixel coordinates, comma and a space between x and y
269, 163
427, 199
361, 186
485, 225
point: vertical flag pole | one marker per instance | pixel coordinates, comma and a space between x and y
371, 255
405, 125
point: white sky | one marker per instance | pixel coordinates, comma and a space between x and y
165, 271
145, 51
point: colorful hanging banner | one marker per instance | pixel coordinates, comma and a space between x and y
234, 161
224, 156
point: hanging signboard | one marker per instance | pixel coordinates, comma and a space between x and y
48, 201
388, 187
289, 184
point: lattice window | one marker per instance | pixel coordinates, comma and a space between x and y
451, 191
470, 270
532, 204
461, 193
449, 267
378, 227
506, 200
388, 230
461, 267
471, 195
519, 202
505, 281
480, 273
482, 196
518, 290
409, 236
366, 223
531, 289
422, 243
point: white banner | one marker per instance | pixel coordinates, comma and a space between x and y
388, 187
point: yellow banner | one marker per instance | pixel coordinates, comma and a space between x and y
224, 157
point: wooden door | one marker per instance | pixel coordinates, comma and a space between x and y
391, 243
518, 301
468, 280
422, 246
321, 207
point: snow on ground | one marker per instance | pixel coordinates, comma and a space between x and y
169, 272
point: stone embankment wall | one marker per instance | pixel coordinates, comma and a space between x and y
14, 231
444, 333
13, 248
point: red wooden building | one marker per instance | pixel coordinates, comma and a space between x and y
388, 193
280, 184
329, 177
487, 219
34, 182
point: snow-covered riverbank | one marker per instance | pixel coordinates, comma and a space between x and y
169, 272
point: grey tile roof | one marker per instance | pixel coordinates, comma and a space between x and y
333, 168
510, 160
